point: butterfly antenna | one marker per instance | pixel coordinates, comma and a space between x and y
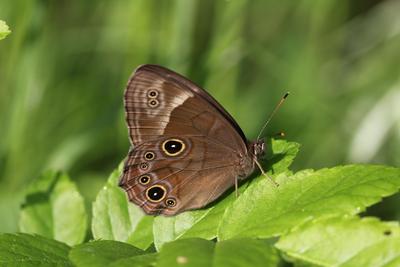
273, 113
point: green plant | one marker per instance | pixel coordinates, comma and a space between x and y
64, 68
311, 219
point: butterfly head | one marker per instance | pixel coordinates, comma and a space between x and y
258, 148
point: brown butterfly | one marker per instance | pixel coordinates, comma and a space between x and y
186, 148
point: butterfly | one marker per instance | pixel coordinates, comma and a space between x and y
186, 149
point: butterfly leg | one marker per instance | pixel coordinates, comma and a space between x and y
265, 174
236, 187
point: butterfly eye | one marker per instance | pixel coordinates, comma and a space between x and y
156, 193
170, 202
152, 93
153, 103
173, 147
144, 166
149, 155
144, 179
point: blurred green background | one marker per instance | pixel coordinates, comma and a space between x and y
65, 65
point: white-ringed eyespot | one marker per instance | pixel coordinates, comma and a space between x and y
153, 103
149, 155
144, 166
173, 147
144, 179
152, 93
170, 202
156, 193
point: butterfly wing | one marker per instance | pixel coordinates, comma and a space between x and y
187, 150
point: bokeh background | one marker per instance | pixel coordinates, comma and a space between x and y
65, 65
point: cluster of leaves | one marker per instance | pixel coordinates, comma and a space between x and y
64, 68
310, 219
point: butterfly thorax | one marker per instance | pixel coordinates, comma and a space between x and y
255, 150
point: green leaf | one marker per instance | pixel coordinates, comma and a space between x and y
235, 252
142, 237
385, 253
4, 30
186, 252
204, 223
264, 211
344, 241
245, 252
102, 253
54, 208
283, 155
197, 223
32, 250
115, 218
145, 260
